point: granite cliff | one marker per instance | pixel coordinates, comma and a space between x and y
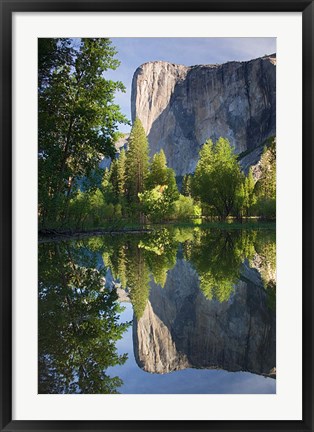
180, 107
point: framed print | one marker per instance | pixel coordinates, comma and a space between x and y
156, 215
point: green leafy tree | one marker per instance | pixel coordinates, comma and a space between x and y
77, 118
52, 54
226, 177
161, 175
154, 203
157, 171
267, 183
79, 209
90, 210
158, 203
249, 194
246, 197
265, 188
185, 208
202, 175
218, 177
161, 190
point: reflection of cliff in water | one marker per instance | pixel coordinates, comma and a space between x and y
180, 328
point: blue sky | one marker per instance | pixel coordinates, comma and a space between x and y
132, 52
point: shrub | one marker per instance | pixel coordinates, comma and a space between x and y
185, 209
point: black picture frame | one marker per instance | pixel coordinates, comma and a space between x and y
8, 7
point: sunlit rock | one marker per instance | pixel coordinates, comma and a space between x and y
181, 107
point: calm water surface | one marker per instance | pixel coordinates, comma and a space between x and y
173, 311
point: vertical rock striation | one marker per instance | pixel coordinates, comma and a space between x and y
180, 107
180, 328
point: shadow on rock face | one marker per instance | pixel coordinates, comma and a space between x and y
181, 107
181, 328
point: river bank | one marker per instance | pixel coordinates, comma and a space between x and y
49, 235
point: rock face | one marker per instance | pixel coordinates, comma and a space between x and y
181, 107
180, 328
121, 143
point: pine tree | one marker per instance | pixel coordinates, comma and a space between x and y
137, 162
158, 171
161, 175
265, 188
267, 182
121, 173
187, 185
118, 176
162, 191
202, 172
249, 195
113, 179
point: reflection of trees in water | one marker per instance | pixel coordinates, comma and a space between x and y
265, 262
132, 258
78, 323
78, 316
128, 265
160, 250
217, 255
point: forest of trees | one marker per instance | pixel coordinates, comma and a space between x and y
78, 126
135, 189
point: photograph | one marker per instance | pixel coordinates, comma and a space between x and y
157, 215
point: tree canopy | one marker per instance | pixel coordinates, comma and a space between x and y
218, 177
77, 117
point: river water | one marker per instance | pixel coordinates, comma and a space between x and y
177, 310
